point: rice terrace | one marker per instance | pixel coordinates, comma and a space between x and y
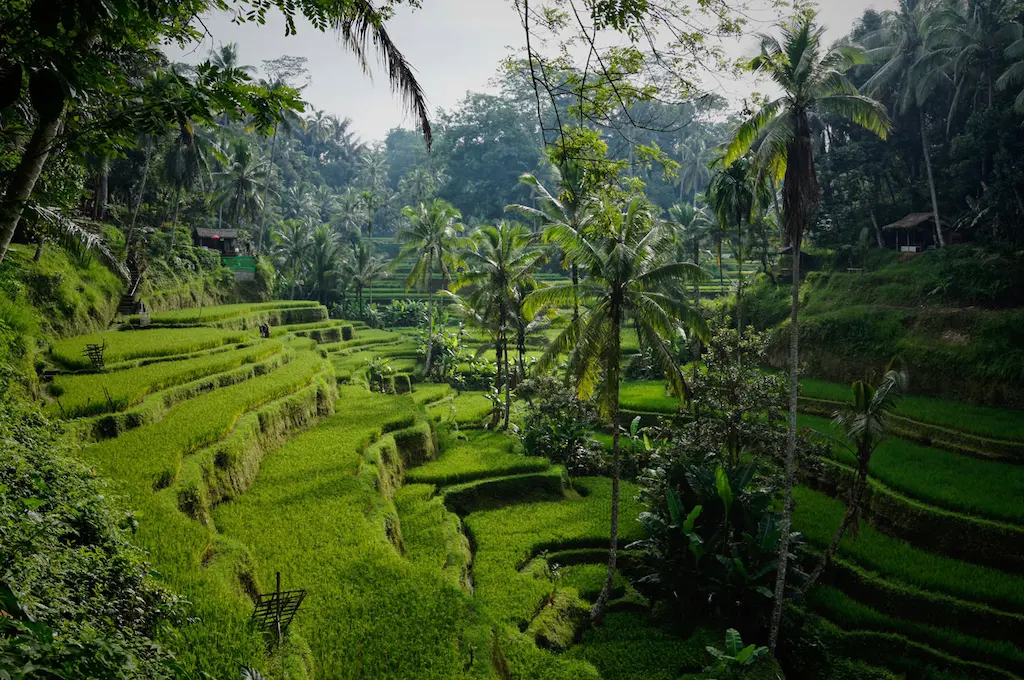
648, 340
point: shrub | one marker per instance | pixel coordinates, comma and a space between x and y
78, 597
403, 383
558, 426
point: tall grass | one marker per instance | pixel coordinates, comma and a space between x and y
984, 488
95, 393
987, 421
370, 612
849, 614
481, 454
127, 345
221, 312
817, 517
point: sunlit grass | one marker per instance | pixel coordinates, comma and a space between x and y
647, 395
481, 454
370, 613
94, 393
221, 312
157, 342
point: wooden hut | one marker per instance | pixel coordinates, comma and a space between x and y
224, 241
915, 233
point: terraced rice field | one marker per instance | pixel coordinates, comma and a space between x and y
478, 560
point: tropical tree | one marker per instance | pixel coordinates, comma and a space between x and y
288, 121
291, 246
498, 262
430, 241
360, 269
324, 253
350, 213
691, 227
864, 423
627, 278
909, 69
731, 195
814, 84
570, 207
187, 162
241, 181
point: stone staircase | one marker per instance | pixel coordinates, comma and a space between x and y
128, 304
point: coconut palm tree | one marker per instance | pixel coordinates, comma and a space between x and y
627, 278
864, 423
187, 163
241, 181
731, 195
350, 213
813, 83
908, 68
570, 206
691, 227
324, 254
361, 269
430, 241
288, 121
498, 261
291, 246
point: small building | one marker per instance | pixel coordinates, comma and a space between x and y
224, 241
915, 233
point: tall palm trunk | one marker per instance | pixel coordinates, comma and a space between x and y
430, 326
597, 612
575, 292
24, 179
790, 463
174, 222
266, 185
931, 183
102, 189
508, 375
138, 201
739, 274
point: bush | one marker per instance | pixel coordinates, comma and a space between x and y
559, 426
78, 597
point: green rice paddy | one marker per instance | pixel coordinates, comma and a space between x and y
126, 345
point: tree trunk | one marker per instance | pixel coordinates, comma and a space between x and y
266, 185
24, 178
138, 202
878, 230
575, 292
851, 513
508, 378
40, 241
174, 222
739, 279
496, 407
597, 612
931, 184
790, 463
430, 327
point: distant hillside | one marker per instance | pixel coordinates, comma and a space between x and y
954, 316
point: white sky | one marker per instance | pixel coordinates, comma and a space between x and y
455, 46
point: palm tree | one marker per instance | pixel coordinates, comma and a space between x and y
325, 201
693, 172
571, 207
361, 270
1013, 76
291, 245
186, 163
627, 279
813, 84
905, 58
691, 227
731, 195
498, 261
430, 241
971, 39
865, 426
299, 203
351, 211
225, 56
287, 120
241, 181
324, 252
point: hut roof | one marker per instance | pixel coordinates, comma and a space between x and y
216, 233
911, 221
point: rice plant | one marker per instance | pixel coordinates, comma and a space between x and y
127, 345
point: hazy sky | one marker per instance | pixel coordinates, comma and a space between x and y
455, 46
